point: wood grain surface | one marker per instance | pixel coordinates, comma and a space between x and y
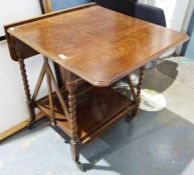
97, 44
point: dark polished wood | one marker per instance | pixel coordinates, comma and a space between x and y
47, 7
107, 45
97, 108
25, 50
93, 44
29, 101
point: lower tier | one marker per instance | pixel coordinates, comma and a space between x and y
96, 110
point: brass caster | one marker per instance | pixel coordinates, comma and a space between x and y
80, 166
53, 122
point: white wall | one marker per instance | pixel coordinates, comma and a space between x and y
188, 16
12, 99
14, 10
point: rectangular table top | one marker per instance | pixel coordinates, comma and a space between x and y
97, 44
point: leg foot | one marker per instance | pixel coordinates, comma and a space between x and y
129, 118
67, 141
31, 111
134, 113
80, 166
53, 122
74, 150
31, 124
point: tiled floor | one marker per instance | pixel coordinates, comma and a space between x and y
154, 143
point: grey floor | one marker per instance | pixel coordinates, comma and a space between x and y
154, 143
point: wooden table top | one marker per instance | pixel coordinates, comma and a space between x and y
97, 44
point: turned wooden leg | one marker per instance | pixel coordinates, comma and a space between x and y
139, 88
29, 102
49, 86
75, 149
75, 141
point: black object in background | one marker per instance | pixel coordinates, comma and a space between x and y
2, 38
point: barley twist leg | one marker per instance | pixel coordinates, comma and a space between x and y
139, 88
29, 102
75, 141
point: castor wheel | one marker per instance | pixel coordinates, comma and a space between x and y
131, 116
66, 141
80, 166
128, 118
134, 113
53, 123
31, 125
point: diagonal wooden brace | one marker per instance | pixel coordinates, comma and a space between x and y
39, 82
60, 97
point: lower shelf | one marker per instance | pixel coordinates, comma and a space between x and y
96, 110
